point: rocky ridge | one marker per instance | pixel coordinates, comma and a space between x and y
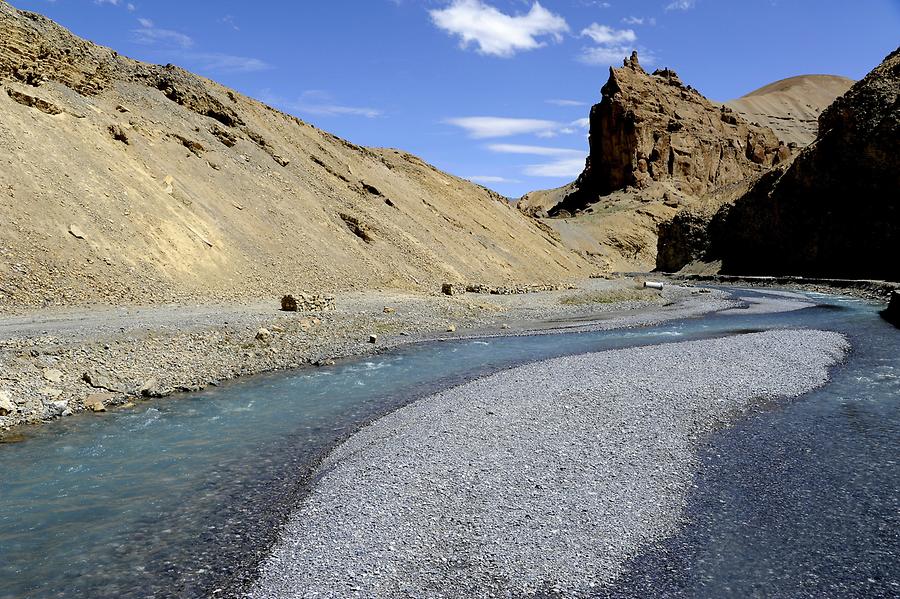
652, 128
656, 146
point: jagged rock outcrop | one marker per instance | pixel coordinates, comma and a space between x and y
651, 128
835, 212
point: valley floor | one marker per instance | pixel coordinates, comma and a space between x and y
61, 361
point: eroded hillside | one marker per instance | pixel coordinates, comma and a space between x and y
833, 212
129, 182
659, 149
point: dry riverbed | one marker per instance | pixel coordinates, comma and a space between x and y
59, 362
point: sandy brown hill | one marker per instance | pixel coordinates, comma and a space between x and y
791, 107
124, 181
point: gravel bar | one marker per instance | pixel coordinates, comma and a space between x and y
539, 480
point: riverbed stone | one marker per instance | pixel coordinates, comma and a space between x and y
96, 402
53, 375
99, 379
7, 406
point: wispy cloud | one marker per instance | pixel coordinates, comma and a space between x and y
149, 33
496, 33
483, 127
566, 102
178, 47
226, 63
230, 21
533, 150
567, 168
566, 163
632, 20
681, 5
110, 2
491, 179
319, 103
604, 34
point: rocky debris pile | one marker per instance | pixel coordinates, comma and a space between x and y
515, 289
452, 289
651, 128
456, 289
833, 212
304, 302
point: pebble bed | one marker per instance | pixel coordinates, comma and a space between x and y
541, 480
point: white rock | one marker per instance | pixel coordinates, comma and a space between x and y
53, 375
7, 406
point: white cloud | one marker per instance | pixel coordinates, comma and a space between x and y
533, 150
229, 20
681, 5
605, 55
319, 103
496, 33
149, 33
481, 127
227, 63
606, 35
584, 123
491, 179
639, 21
567, 163
568, 168
612, 46
566, 103
110, 2
131, 7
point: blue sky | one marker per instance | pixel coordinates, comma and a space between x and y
493, 90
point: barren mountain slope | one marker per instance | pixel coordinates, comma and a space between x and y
128, 182
791, 107
832, 212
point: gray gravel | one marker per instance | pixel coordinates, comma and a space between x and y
541, 479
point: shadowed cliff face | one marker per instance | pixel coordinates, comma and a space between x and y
651, 128
835, 211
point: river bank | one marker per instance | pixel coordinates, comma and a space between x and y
185, 497
57, 363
